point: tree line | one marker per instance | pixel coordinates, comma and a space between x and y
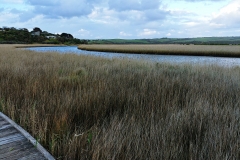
11, 35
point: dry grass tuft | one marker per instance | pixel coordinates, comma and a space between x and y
122, 109
81, 72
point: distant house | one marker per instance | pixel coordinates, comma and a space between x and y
35, 33
23, 29
51, 37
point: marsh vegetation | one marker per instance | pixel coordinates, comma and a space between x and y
169, 49
83, 107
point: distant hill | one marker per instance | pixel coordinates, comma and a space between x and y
196, 41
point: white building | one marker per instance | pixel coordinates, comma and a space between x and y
51, 37
35, 33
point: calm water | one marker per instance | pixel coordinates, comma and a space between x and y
202, 60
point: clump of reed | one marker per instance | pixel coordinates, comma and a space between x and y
169, 49
122, 109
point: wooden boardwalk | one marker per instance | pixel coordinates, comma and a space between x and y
16, 143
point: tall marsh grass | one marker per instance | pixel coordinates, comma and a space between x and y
82, 107
169, 49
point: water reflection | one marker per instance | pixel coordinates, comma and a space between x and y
203, 60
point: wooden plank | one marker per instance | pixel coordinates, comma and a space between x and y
7, 131
5, 126
22, 153
18, 143
13, 146
2, 123
11, 138
31, 156
1, 119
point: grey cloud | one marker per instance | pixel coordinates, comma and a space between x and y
138, 11
142, 17
15, 11
43, 2
124, 5
62, 8
58, 2
61, 11
23, 15
156, 14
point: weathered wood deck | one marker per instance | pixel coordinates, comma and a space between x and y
16, 143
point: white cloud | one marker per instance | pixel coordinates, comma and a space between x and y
103, 15
192, 24
124, 34
149, 32
200, 0
84, 33
169, 34
228, 15
8, 18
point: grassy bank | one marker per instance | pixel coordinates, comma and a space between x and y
169, 49
37, 45
82, 107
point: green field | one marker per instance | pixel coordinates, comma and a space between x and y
84, 107
199, 41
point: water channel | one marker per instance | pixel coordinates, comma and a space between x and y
200, 60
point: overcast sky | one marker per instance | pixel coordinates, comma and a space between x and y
127, 19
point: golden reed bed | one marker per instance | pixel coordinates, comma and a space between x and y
195, 50
84, 107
